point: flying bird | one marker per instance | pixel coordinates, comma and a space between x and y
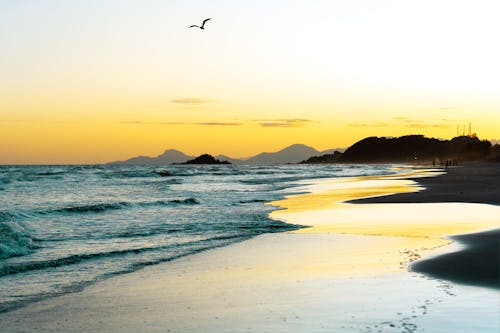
202, 25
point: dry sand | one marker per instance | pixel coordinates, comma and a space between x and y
316, 280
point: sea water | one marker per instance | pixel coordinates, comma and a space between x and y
63, 227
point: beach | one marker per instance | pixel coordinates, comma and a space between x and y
478, 262
472, 182
375, 266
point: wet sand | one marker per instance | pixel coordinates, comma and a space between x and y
473, 182
348, 272
273, 283
478, 261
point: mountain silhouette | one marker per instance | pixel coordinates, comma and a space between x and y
416, 148
407, 149
332, 151
291, 154
170, 156
231, 160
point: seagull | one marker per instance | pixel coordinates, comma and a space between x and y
202, 25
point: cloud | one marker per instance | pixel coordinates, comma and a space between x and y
368, 124
134, 122
191, 100
16, 121
446, 119
137, 122
448, 108
294, 122
403, 119
413, 123
219, 124
404, 122
38, 121
423, 125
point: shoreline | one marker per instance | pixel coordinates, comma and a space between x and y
470, 183
478, 261
314, 279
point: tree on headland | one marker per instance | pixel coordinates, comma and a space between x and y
323, 159
416, 149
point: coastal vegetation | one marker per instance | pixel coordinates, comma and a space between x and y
417, 149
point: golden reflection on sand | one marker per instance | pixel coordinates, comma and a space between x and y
419, 227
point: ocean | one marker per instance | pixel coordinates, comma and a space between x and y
64, 227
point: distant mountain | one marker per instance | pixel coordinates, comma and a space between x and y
416, 148
205, 159
495, 142
229, 159
292, 154
170, 156
332, 151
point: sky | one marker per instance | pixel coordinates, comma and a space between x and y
91, 81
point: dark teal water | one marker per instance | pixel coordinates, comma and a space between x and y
63, 227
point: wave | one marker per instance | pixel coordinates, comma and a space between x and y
192, 248
174, 172
14, 239
285, 179
253, 201
119, 205
134, 174
188, 201
90, 208
50, 173
253, 224
172, 181
95, 208
5, 180
101, 207
17, 268
6, 216
9, 269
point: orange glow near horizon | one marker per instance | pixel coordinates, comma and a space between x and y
94, 82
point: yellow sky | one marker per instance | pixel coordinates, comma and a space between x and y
95, 81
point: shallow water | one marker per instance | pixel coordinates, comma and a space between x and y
62, 227
314, 206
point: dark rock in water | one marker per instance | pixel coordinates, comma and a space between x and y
205, 159
163, 173
326, 158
